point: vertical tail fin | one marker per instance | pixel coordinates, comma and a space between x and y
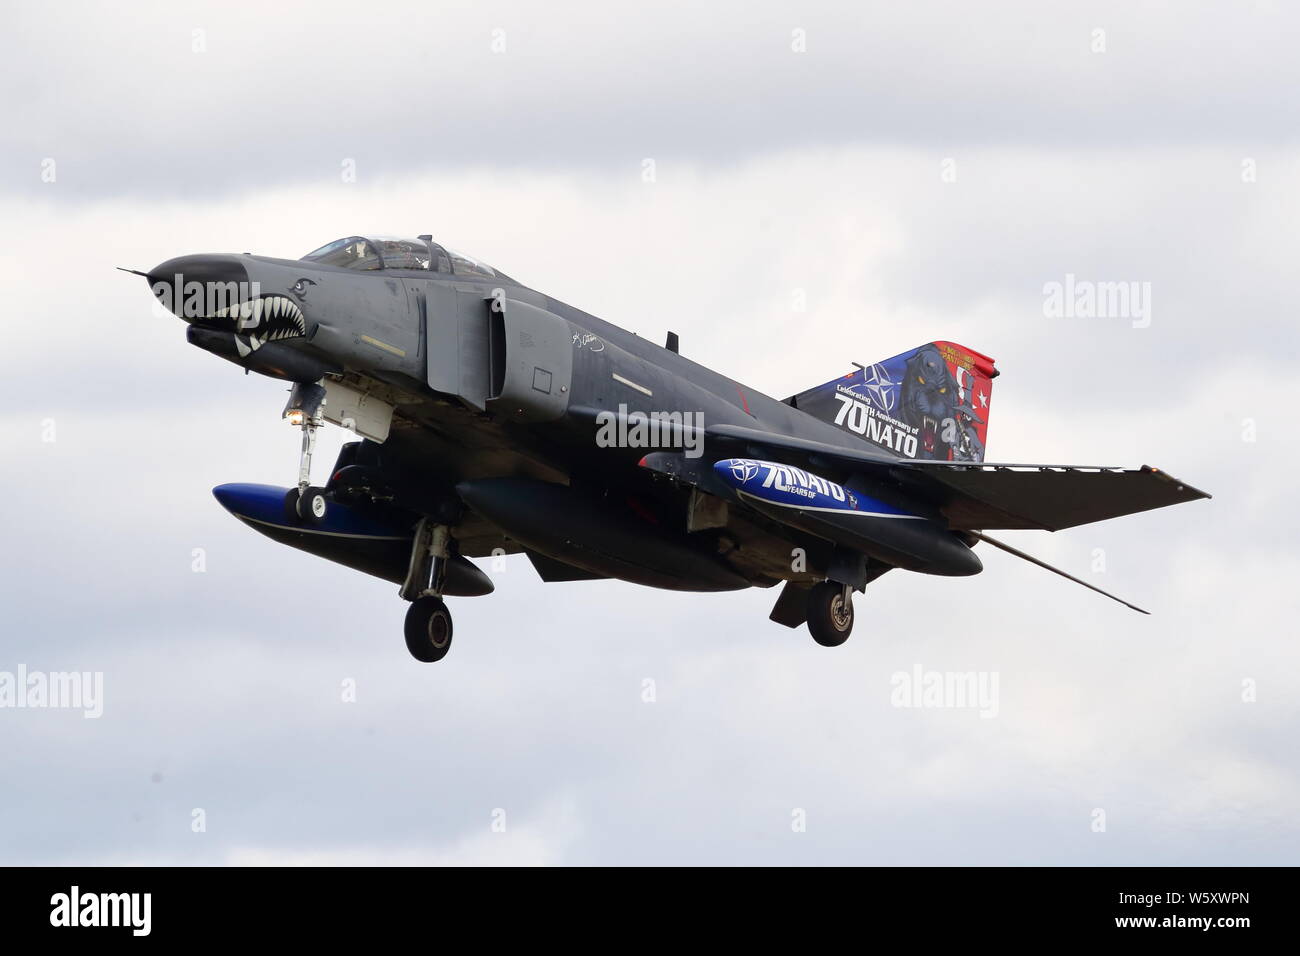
931, 402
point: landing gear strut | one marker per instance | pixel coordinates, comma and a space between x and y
830, 613
428, 622
303, 409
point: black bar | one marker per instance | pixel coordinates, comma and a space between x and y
971, 906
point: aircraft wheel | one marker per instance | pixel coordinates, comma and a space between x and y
428, 629
830, 614
311, 505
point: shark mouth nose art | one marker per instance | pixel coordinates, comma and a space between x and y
255, 322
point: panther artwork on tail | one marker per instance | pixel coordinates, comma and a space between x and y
930, 403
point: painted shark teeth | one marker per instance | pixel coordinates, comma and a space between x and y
270, 318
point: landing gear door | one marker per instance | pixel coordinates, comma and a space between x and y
531, 362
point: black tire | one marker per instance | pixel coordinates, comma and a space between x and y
428, 629
830, 616
312, 505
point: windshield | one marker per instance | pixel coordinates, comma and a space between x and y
351, 253
389, 252
404, 253
465, 266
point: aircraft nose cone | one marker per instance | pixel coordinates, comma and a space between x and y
194, 287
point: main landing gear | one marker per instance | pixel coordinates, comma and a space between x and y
830, 613
428, 629
428, 622
306, 502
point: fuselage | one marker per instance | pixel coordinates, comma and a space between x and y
491, 381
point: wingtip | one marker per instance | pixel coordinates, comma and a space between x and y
1182, 485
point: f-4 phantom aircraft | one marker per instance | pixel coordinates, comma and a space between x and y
494, 419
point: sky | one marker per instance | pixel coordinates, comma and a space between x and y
790, 187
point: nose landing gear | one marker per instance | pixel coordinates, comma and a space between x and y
306, 502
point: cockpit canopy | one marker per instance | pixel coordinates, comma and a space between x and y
387, 252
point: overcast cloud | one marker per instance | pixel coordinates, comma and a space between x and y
919, 173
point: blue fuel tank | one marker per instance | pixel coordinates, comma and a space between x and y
849, 518
347, 536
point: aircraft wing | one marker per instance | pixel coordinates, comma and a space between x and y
1050, 497
982, 495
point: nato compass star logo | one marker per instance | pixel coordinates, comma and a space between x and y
742, 469
883, 390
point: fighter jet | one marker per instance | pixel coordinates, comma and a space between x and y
493, 419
